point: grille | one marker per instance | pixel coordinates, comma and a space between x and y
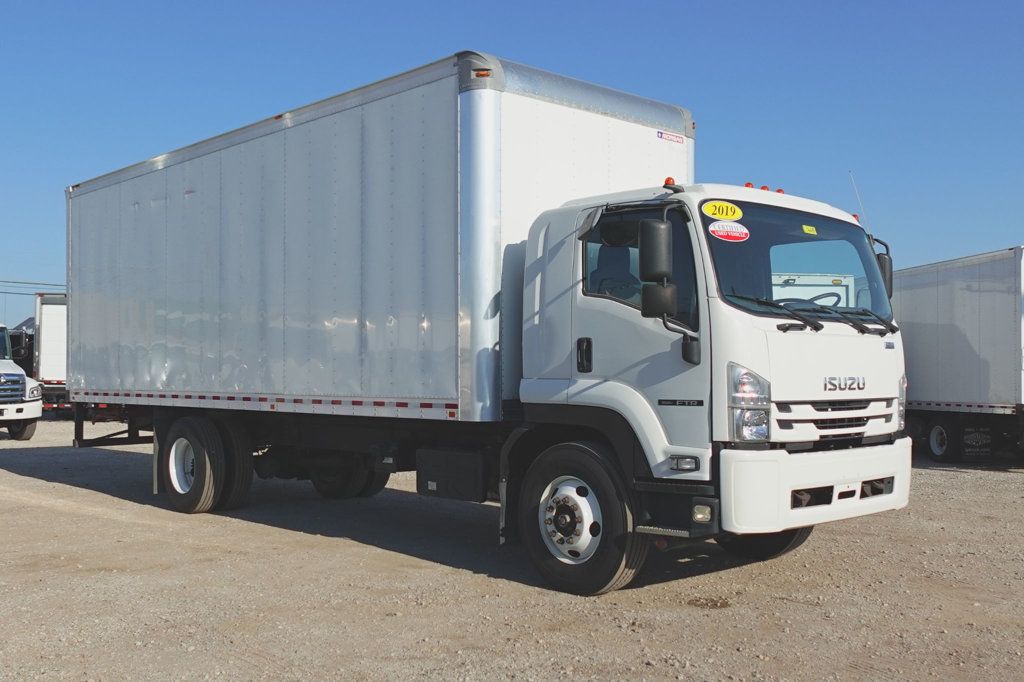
12, 388
841, 423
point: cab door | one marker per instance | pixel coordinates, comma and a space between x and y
632, 364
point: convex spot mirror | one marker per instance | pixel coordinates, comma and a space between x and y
657, 300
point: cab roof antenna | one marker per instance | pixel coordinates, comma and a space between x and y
864, 222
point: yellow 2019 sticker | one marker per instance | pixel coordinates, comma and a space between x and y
810, 229
722, 210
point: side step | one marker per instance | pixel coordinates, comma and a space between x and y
658, 530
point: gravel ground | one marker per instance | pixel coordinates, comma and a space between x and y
100, 580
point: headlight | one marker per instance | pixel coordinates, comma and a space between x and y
35, 392
749, 402
901, 408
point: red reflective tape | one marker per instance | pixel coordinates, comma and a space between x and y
163, 395
246, 399
115, 394
451, 406
215, 397
426, 406
316, 401
106, 393
378, 403
174, 396
149, 395
261, 399
278, 400
401, 404
297, 401
231, 397
357, 403
200, 397
335, 402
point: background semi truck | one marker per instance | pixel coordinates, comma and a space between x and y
20, 395
962, 323
406, 278
50, 349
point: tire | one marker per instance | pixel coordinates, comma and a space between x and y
599, 528
22, 430
238, 466
944, 440
764, 546
375, 482
342, 482
192, 465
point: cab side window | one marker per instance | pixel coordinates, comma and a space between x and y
611, 262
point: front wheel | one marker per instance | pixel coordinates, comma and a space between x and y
22, 430
764, 546
577, 521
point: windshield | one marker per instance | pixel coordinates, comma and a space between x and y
769, 259
5, 345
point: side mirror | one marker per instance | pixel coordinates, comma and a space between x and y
655, 250
658, 299
19, 353
885, 267
691, 350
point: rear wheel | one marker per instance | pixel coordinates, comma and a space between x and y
764, 546
577, 522
192, 465
375, 482
238, 465
22, 430
340, 482
945, 440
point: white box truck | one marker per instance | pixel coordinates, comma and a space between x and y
962, 321
405, 278
21, 403
50, 349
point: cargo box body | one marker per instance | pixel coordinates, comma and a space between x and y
360, 256
961, 322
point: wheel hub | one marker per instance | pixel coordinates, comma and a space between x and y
570, 520
182, 465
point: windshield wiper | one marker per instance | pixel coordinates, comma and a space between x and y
881, 320
852, 321
813, 324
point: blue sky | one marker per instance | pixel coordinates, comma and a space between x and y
923, 100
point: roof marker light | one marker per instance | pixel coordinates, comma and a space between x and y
856, 217
481, 73
750, 185
670, 180
764, 187
779, 191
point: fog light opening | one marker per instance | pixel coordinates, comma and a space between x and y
701, 513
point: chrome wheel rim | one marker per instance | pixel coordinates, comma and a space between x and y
570, 520
182, 466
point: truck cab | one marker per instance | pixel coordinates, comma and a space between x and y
21, 403
760, 409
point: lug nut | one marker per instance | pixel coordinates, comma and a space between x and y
548, 521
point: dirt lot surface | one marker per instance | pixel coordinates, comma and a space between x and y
100, 580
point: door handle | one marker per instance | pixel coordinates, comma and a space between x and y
584, 355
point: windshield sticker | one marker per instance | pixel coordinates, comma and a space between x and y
810, 229
729, 231
722, 210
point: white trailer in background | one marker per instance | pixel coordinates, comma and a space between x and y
403, 278
962, 321
50, 349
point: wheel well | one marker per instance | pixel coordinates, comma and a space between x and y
528, 443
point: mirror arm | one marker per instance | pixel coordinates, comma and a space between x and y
679, 329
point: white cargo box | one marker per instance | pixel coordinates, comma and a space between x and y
51, 338
961, 324
362, 255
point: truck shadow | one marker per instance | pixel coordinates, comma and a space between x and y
460, 535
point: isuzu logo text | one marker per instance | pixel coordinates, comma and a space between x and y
844, 383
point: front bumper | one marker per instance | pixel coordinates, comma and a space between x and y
758, 485
30, 409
